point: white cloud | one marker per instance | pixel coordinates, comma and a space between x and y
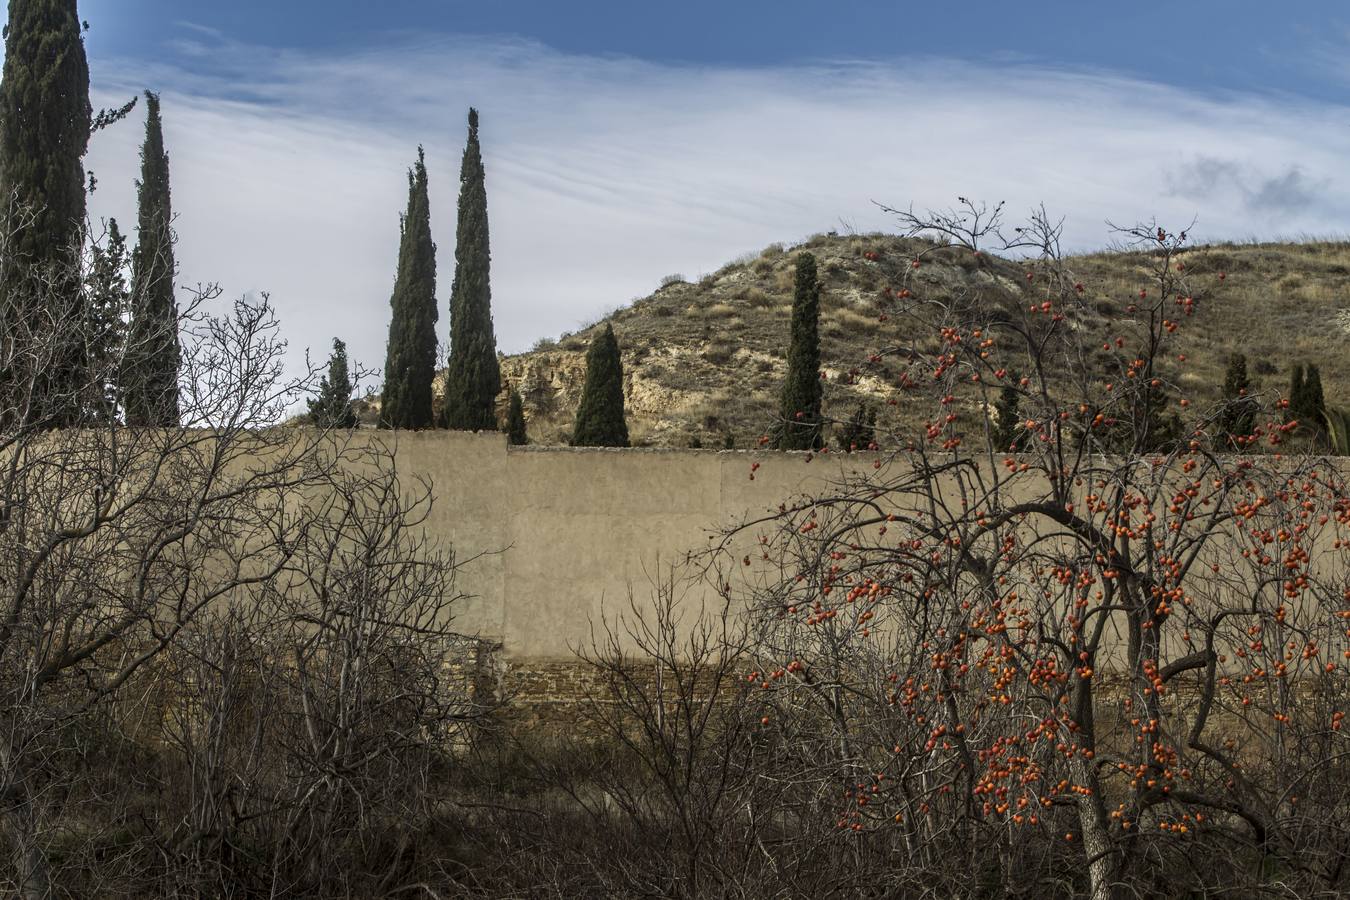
605, 174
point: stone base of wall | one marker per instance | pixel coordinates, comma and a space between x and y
562, 696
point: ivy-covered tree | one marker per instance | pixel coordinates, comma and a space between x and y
600, 419
150, 381
473, 378
410, 357
799, 427
860, 431
1238, 417
332, 407
109, 299
515, 421
45, 121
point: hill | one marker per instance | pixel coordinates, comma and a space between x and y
704, 360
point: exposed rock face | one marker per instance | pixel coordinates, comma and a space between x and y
548, 381
550, 385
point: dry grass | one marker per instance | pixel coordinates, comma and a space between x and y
755, 298
1279, 303
851, 322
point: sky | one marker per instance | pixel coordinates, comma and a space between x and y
628, 141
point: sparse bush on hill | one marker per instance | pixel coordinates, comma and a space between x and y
755, 298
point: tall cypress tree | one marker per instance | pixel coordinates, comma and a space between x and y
109, 300
150, 383
600, 418
472, 378
332, 408
410, 358
45, 120
800, 428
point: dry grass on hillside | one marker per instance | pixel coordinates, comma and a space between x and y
705, 359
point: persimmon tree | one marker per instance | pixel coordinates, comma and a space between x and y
1121, 651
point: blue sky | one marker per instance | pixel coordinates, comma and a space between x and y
1233, 45
628, 141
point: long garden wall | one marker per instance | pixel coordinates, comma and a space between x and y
555, 537
555, 540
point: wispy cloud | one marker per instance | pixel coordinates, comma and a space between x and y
605, 174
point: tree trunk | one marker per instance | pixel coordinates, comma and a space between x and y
20, 826
1092, 824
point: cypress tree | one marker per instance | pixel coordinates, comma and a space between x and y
1145, 426
800, 426
1297, 393
515, 421
332, 408
1314, 401
472, 377
410, 357
860, 432
1239, 413
1156, 430
109, 301
600, 420
1005, 432
150, 385
45, 121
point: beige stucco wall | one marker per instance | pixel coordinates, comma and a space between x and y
554, 539
567, 531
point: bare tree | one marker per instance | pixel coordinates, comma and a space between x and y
658, 761
125, 549
315, 711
